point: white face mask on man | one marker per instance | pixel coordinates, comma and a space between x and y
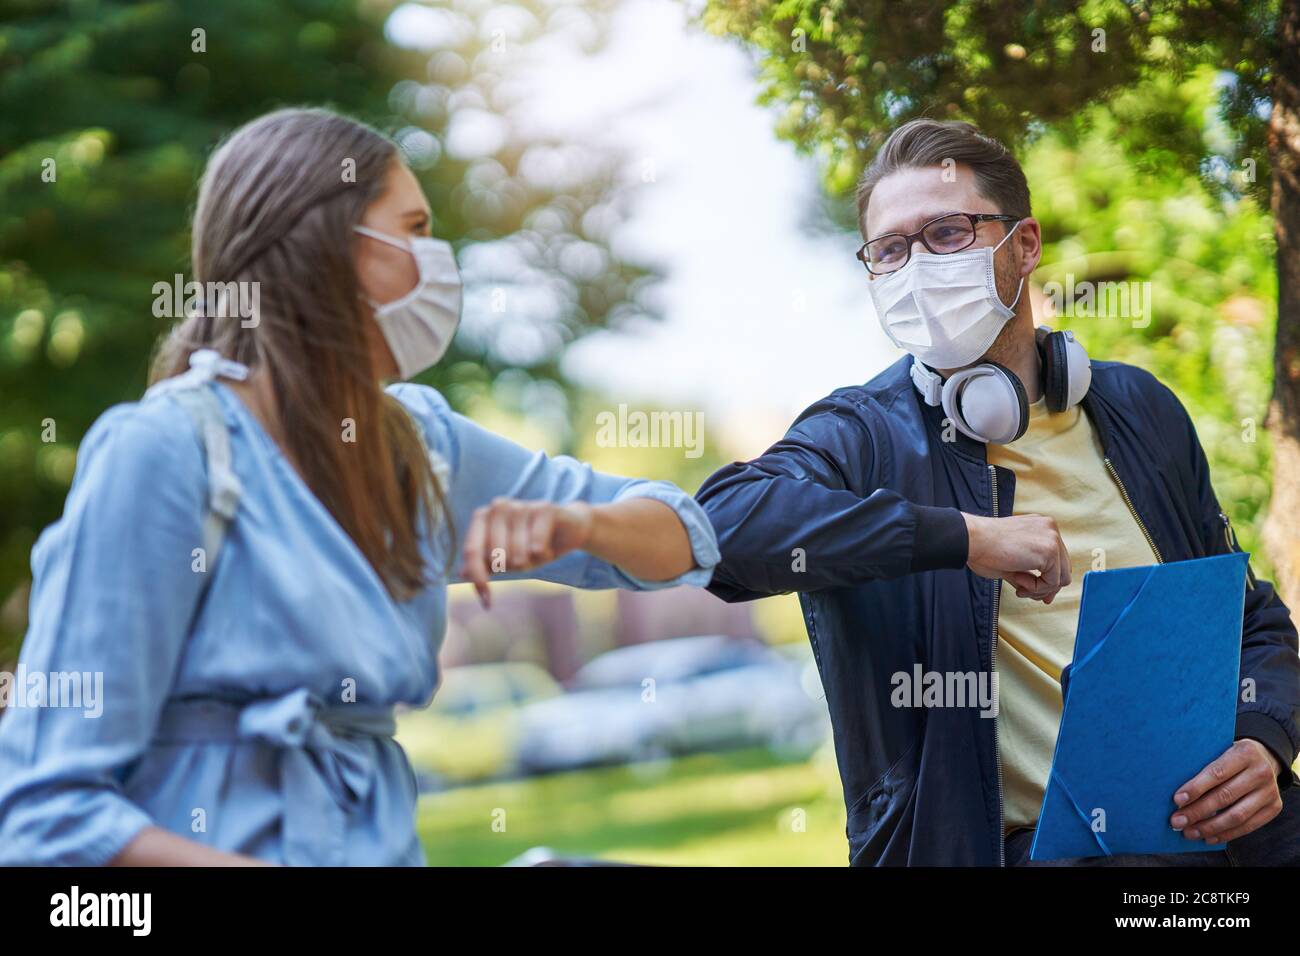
419, 326
944, 309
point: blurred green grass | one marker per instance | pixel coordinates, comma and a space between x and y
734, 809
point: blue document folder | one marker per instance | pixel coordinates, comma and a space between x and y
1150, 699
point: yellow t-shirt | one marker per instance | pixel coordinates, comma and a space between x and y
1060, 472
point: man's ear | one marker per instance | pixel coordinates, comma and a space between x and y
1030, 239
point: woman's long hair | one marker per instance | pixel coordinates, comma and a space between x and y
276, 207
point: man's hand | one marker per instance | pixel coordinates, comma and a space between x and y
1026, 551
1233, 796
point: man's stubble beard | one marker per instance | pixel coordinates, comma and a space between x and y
1006, 274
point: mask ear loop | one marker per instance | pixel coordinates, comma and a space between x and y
396, 244
1020, 288
384, 237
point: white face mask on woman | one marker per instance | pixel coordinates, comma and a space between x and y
419, 326
944, 309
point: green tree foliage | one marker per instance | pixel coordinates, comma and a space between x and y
1113, 212
848, 71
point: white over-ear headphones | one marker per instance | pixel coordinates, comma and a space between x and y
987, 401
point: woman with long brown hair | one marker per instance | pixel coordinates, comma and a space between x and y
255, 556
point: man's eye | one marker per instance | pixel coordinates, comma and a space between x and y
947, 236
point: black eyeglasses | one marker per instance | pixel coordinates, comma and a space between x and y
947, 234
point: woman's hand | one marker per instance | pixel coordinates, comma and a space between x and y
641, 536
511, 535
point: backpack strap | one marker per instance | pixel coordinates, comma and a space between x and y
193, 390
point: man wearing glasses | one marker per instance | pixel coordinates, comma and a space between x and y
994, 452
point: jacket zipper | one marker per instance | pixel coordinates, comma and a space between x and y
1230, 537
993, 667
1123, 492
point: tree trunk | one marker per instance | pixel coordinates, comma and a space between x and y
1282, 529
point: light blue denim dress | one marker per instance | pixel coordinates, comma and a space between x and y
249, 706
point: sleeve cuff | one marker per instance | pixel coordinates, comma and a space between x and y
126, 823
699, 531
65, 829
939, 541
1261, 727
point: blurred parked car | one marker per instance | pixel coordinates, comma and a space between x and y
468, 733
671, 697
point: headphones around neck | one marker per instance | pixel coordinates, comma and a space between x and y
987, 401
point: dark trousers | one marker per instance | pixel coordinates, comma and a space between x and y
1277, 843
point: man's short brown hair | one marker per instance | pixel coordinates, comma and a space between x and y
926, 142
